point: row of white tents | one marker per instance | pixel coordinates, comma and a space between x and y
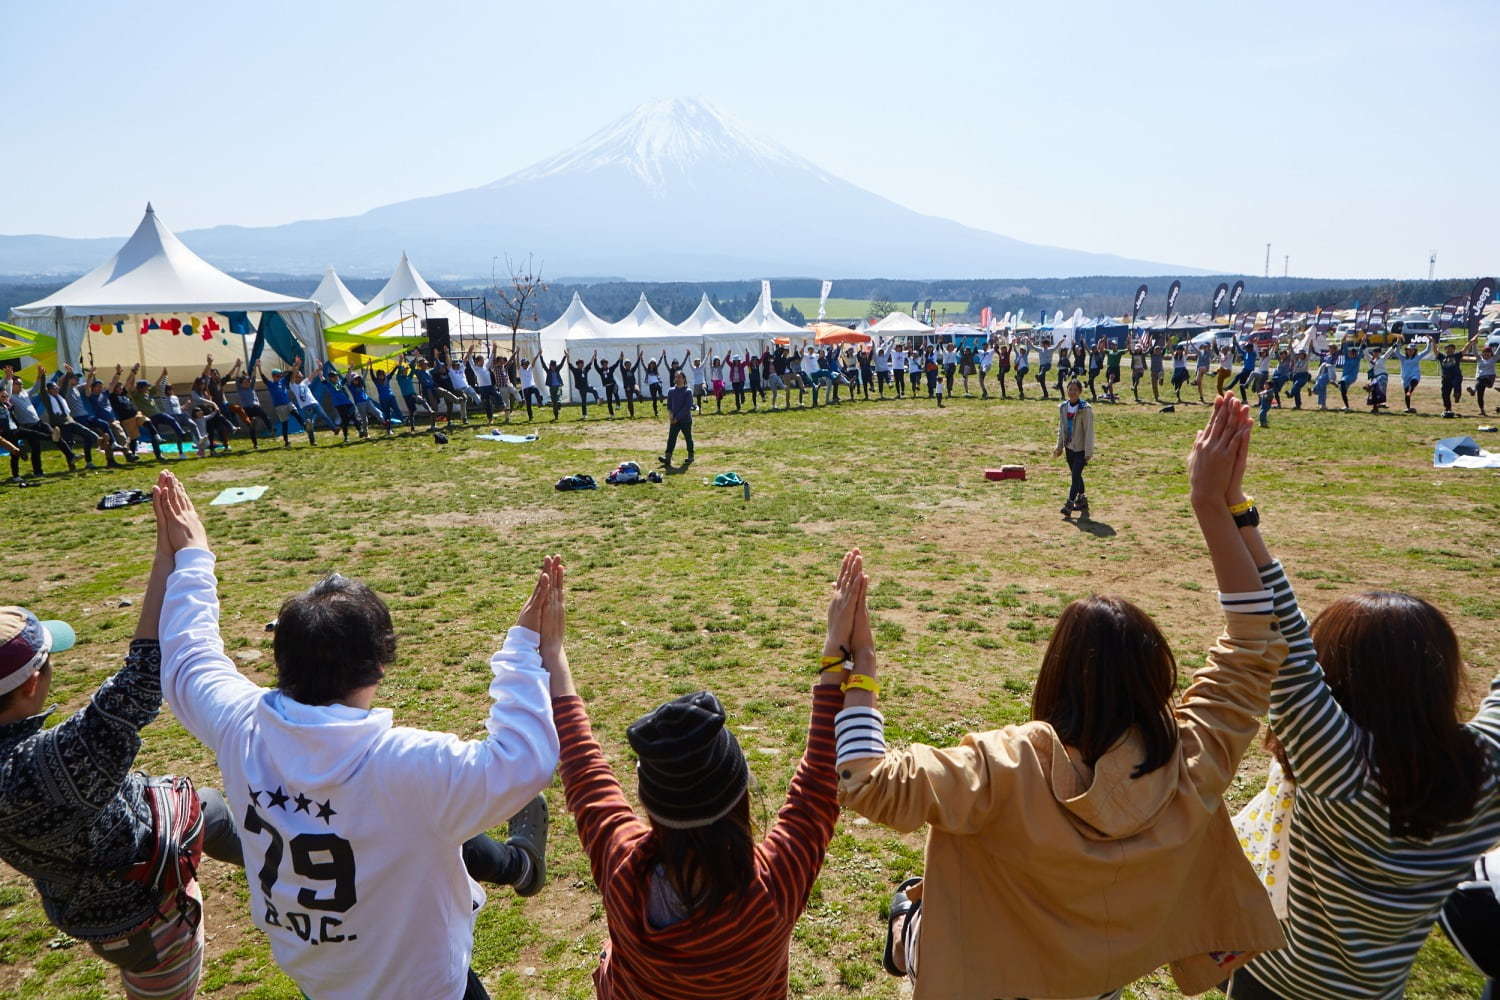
157, 304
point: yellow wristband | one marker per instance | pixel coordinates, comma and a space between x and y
829, 662
1240, 508
861, 682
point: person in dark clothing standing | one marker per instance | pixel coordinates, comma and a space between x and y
77, 820
680, 412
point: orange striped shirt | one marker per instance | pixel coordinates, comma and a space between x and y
740, 950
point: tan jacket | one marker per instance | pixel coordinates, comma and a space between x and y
1046, 880
1083, 431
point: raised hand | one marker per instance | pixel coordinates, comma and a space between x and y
178, 525
554, 611
531, 611
848, 591
1217, 459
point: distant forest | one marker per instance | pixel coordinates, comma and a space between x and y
1096, 296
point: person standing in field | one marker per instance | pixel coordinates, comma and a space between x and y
1484, 376
1075, 438
365, 837
680, 415
1075, 853
79, 821
1390, 795
695, 907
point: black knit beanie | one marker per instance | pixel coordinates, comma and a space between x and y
692, 771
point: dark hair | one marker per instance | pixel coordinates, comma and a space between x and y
1392, 662
708, 865
334, 638
1107, 670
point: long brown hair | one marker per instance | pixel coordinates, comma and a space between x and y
708, 865
1392, 662
1107, 670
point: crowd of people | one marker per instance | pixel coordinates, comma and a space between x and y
79, 410
1066, 857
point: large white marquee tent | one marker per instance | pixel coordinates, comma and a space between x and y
338, 303
407, 299
155, 279
898, 324
761, 325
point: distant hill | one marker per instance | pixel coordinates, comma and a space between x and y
675, 190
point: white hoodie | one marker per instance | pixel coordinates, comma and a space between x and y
352, 827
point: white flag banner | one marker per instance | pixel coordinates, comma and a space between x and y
823, 299
765, 293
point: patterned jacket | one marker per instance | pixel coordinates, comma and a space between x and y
73, 814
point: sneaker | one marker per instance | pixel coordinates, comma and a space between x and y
528, 831
1067, 509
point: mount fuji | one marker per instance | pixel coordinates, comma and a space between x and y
676, 189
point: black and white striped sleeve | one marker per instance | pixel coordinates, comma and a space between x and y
1252, 602
1321, 741
859, 732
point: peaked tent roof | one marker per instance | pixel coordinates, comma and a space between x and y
339, 304
762, 321
899, 324
155, 272
394, 301
645, 323
577, 322
707, 320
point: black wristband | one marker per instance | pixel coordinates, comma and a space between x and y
1248, 519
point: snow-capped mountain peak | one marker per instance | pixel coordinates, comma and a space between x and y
663, 138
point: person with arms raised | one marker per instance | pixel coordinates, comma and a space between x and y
112, 851
696, 909
1071, 855
358, 832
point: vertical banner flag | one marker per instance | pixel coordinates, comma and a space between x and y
984, 319
1449, 313
823, 299
927, 311
765, 293
1218, 300
1376, 318
1361, 320
1140, 298
1234, 296
1172, 294
1479, 298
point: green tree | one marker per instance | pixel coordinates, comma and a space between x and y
881, 307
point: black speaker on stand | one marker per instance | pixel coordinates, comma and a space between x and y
437, 336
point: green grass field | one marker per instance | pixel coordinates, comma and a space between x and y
860, 308
680, 586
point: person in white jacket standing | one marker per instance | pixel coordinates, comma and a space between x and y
354, 829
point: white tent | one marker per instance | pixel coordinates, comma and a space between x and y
762, 324
1065, 331
720, 335
407, 300
576, 323
155, 275
898, 324
642, 329
338, 303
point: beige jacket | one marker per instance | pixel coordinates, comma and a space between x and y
1083, 430
1044, 879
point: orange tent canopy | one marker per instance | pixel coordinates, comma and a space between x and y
832, 333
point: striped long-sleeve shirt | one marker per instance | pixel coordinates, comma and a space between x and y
738, 951
1361, 901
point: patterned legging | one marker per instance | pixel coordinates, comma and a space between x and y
164, 960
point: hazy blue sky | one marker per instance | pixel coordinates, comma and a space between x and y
1355, 137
